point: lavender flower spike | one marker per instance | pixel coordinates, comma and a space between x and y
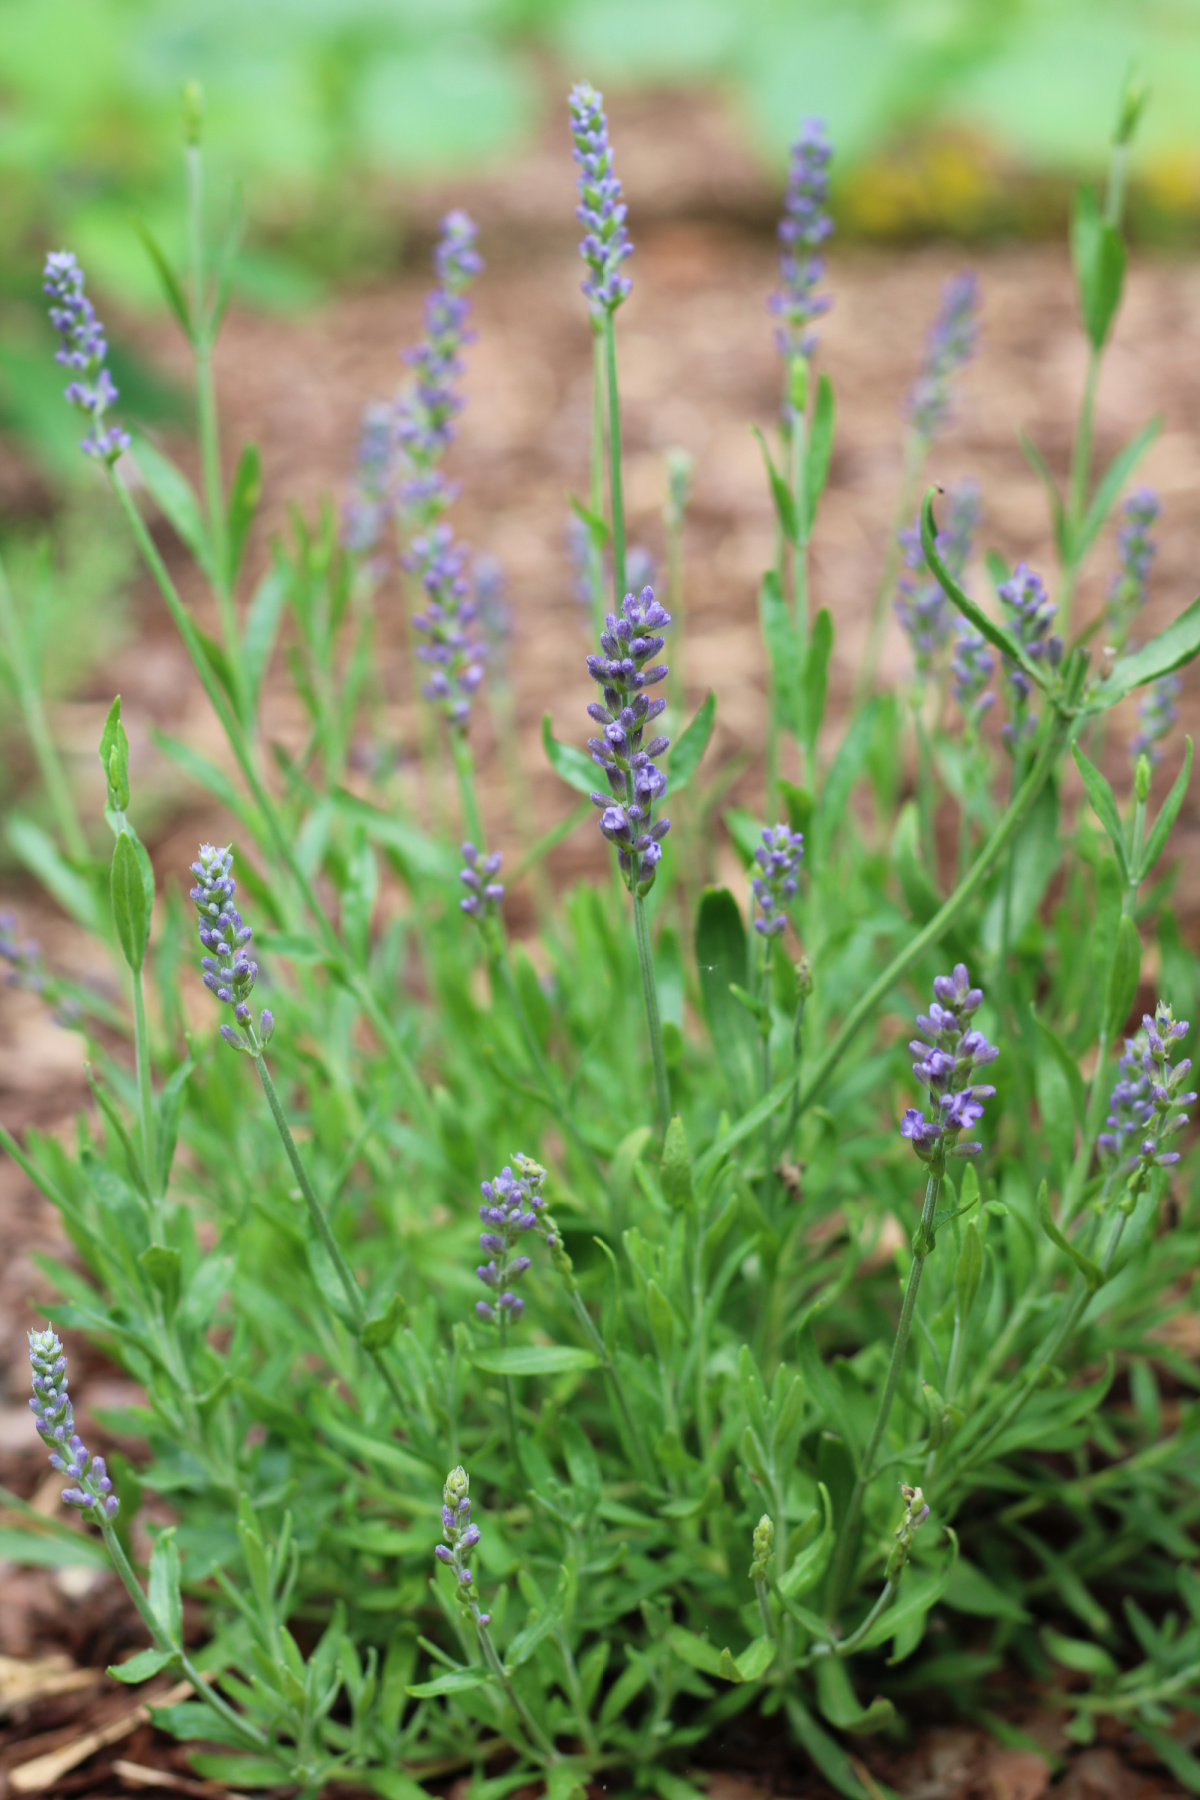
51, 1408
1146, 1106
948, 348
483, 896
945, 1066
779, 860
229, 972
511, 1205
83, 347
455, 656
601, 210
427, 406
804, 227
1157, 713
460, 1536
636, 782
1135, 552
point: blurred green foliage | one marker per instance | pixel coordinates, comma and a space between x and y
318, 109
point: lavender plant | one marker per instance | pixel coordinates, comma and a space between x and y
733, 1466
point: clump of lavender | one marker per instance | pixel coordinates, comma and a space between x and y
427, 406
778, 858
483, 896
804, 227
1157, 713
51, 1407
455, 656
921, 606
460, 1536
1031, 614
636, 782
948, 348
511, 1205
83, 347
1135, 552
945, 1066
229, 972
1146, 1105
601, 210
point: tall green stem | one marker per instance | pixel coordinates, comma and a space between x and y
595, 557
764, 1040
206, 397
37, 726
616, 492
141, 1039
464, 769
922, 1245
662, 1089
204, 1690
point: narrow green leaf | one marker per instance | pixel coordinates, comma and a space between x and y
1123, 973
1090, 1270
974, 615
378, 1333
722, 960
969, 1590
454, 1681
1169, 651
163, 1265
678, 1190
130, 914
1075, 1653
968, 1270
1066, 1062
260, 631
1172, 1754
810, 1565
244, 495
816, 673
169, 282
176, 498
697, 1652
170, 1111
569, 764
38, 852
1104, 805
164, 1586
783, 652
1099, 258
120, 1132
785, 505
689, 747
840, 1705
598, 529
1157, 841
758, 1656
820, 450
915, 1599
1110, 484
535, 1359
141, 1666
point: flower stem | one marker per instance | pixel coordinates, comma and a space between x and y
922, 1245
595, 555
141, 1038
662, 1089
616, 495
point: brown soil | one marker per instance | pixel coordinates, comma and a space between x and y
698, 367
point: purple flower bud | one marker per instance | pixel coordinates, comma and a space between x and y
82, 346
949, 347
804, 227
947, 1054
